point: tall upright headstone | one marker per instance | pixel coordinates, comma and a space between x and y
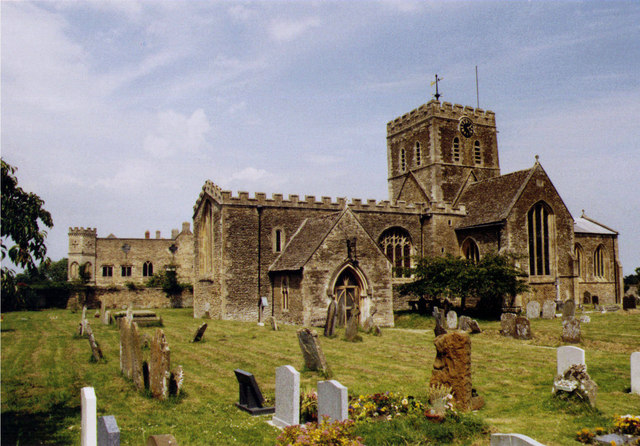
571, 330
452, 366
568, 309
523, 328
533, 310
635, 373
508, 324
548, 309
330, 324
159, 366
452, 320
333, 400
287, 397
89, 410
568, 355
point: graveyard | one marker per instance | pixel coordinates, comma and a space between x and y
46, 363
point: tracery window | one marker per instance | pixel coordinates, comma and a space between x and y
285, 293
470, 250
540, 229
147, 269
107, 271
403, 160
418, 154
396, 244
599, 262
477, 153
580, 261
456, 150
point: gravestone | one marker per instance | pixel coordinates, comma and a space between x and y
568, 309
508, 324
287, 397
200, 333
273, 323
577, 381
96, 352
571, 330
523, 328
568, 355
89, 407
452, 320
463, 323
635, 373
330, 324
548, 309
333, 400
628, 302
452, 366
108, 432
351, 332
584, 319
159, 366
368, 324
137, 359
162, 440
440, 321
250, 398
125, 347
311, 351
611, 439
341, 314
533, 310
474, 327
513, 440
611, 308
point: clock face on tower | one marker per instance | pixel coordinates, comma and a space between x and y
466, 127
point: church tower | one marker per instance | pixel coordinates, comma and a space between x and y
82, 253
434, 150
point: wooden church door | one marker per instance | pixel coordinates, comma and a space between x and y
347, 295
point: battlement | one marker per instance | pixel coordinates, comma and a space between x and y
91, 232
448, 208
441, 110
225, 197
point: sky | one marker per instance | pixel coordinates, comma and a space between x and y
117, 112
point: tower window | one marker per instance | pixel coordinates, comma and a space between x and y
418, 154
107, 271
403, 160
477, 153
540, 226
147, 269
456, 150
278, 239
396, 244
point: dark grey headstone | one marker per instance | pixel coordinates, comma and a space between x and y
108, 432
250, 398
200, 333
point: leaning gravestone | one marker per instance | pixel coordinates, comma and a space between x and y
200, 333
452, 320
571, 330
159, 366
474, 327
96, 352
548, 309
311, 351
463, 323
351, 332
287, 397
533, 310
523, 328
273, 323
108, 432
568, 309
635, 373
568, 355
250, 398
330, 324
508, 324
452, 366
333, 400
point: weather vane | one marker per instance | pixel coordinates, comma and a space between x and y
437, 95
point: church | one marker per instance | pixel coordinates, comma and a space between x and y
446, 196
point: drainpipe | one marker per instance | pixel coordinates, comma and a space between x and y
259, 208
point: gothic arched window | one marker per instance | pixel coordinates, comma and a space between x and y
456, 150
396, 244
470, 250
599, 262
147, 269
205, 240
540, 229
580, 261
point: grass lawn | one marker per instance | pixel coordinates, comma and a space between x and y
44, 366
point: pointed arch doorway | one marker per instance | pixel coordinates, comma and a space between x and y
348, 293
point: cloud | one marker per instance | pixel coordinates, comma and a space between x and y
256, 179
177, 134
287, 30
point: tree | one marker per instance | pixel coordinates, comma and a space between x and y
632, 279
492, 279
22, 237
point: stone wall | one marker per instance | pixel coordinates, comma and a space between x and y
144, 298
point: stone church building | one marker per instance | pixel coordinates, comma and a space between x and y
446, 196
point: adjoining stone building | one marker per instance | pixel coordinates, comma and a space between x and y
114, 261
446, 196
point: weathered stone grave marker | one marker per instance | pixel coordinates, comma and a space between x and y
568, 355
351, 332
108, 431
162, 440
508, 324
635, 373
89, 408
548, 309
273, 323
250, 397
463, 323
533, 309
452, 320
513, 440
523, 328
159, 366
200, 333
452, 366
474, 327
311, 351
287, 397
440, 321
628, 302
96, 352
333, 400
568, 309
330, 324
571, 330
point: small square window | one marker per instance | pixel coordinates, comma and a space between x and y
125, 271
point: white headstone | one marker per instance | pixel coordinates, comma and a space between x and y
287, 397
513, 440
333, 400
635, 373
89, 429
452, 320
567, 356
533, 310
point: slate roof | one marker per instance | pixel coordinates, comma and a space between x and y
305, 242
586, 225
490, 201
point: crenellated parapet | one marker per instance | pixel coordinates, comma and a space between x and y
448, 209
441, 110
90, 232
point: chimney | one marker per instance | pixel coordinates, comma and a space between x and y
146, 234
174, 233
186, 227
157, 234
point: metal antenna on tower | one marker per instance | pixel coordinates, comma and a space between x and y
437, 95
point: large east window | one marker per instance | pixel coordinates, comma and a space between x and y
600, 262
540, 228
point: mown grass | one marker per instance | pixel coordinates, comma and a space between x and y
44, 366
